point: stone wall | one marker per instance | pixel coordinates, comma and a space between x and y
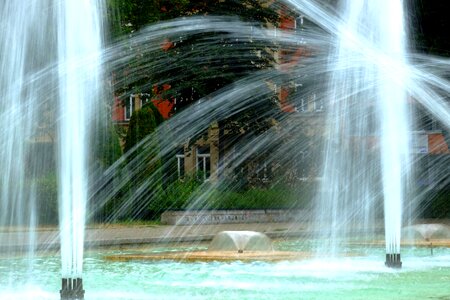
231, 216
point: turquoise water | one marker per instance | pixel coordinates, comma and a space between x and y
357, 277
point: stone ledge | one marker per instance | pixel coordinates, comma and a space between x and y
231, 216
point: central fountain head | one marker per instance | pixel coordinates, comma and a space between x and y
240, 241
72, 289
393, 260
428, 231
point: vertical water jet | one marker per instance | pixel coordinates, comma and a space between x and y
79, 68
366, 165
50, 82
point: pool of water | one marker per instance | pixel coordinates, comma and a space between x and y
363, 276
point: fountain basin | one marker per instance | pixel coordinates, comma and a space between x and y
225, 246
219, 256
350, 277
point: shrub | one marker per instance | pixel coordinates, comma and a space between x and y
108, 147
176, 195
142, 123
438, 204
195, 196
47, 199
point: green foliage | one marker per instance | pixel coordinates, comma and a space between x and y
184, 66
141, 173
47, 199
192, 75
128, 16
140, 188
107, 146
198, 64
430, 26
142, 123
177, 195
248, 10
438, 204
276, 197
193, 195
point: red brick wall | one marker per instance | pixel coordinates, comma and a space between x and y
118, 111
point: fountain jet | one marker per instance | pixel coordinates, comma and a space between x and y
72, 289
79, 74
393, 261
368, 123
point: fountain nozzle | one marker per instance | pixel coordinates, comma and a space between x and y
393, 260
72, 289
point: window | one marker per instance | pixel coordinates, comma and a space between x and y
129, 107
180, 163
298, 25
311, 103
145, 99
303, 105
318, 103
419, 142
203, 166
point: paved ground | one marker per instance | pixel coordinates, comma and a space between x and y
114, 235
122, 235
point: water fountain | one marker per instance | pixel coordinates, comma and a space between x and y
429, 231
56, 64
379, 94
240, 241
51, 78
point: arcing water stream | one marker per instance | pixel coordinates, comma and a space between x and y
51, 79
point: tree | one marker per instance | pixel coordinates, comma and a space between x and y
128, 16
142, 123
196, 64
193, 64
106, 145
139, 176
430, 26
